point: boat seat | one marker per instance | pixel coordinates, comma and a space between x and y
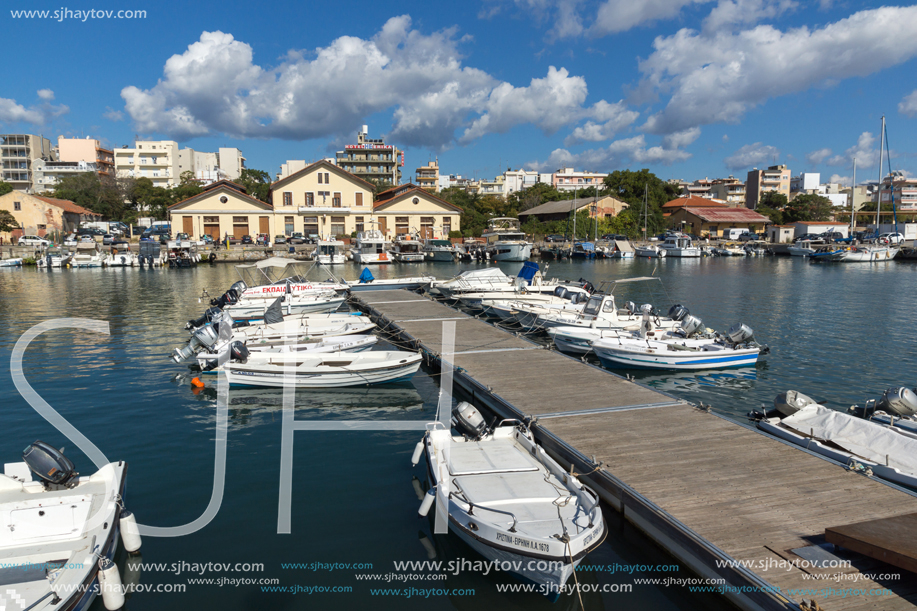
475, 458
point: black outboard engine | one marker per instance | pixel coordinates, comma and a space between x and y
631, 307
586, 285
238, 352
239, 287
468, 421
209, 315
678, 312
49, 464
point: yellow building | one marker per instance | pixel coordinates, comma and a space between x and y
223, 208
43, 216
409, 209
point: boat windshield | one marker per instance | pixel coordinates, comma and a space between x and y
592, 306
441, 243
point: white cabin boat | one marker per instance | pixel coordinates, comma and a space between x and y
407, 249
649, 251
120, 257
802, 248
509, 501
371, 248
329, 252
680, 246
439, 250
505, 241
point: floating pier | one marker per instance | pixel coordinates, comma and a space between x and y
728, 501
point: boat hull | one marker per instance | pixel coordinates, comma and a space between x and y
257, 310
440, 256
510, 252
323, 377
632, 358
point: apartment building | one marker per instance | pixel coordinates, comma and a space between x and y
730, 190
46, 174
427, 177
898, 189
805, 182
568, 179
372, 159
88, 150
774, 178
494, 188
470, 185
225, 164
519, 180
17, 151
153, 159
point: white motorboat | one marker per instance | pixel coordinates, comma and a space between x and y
865, 254
210, 360
87, 258
371, 248
737, 349
368, 283
578, 340
60, 533
150, 254
17, 262
620, 249
508, 500
120, 258
562, 295
505, 241
329, 252
680, 246
407, 249
650, 251
331, 370
896, 408
888, 452
274, 276
439, 251
492, 280
181, 253
318, 303
728, 250
802, 248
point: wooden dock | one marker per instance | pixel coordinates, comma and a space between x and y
712, 492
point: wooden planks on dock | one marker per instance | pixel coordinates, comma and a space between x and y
892, 540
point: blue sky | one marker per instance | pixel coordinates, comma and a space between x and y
687, 88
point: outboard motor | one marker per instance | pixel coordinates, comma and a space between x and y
588, 286
647, 308
631, 307
678, 312
690, 324
740, 333
562, 292
238, 352
49, 464
468, 420
900, 401
239, 287
790, 402
647, 326
210, 314
205, 337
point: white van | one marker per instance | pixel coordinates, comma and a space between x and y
733, 233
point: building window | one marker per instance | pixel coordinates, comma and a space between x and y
17, 206
447, 226
337, 225
320, 178
240, 219
359, 199
288, 226
358, 222
336, 200
211, 219
310, 199
310, 225
287, 198
324, 195
327, 182
402, 225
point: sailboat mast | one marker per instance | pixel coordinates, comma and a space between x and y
853, 199
645, 215
574, 213
879, 188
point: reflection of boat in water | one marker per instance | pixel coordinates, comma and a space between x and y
740, 378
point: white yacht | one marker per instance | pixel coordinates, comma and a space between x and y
439, 250
680, 246
329, 252
372, 247
407, 249
505, 241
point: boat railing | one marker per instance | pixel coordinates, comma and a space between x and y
471, 506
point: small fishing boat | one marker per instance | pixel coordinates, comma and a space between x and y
649, 251
120, 258
329, 252
332, 370
210, 360
865, 254
680, 246
728, 250
407, 249
61, 532
368, 283
620, 249
578, 340
583, 250
887, 452
736, 349
315, 303
181, 253
55, 258
896, 408
11, 262
508, 500
802, 248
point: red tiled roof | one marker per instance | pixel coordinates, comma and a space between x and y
66, 204
692, 202
729, 215
219, 188
412, 191
819, 223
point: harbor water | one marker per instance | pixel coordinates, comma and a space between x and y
839, 333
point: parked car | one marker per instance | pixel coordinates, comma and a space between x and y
33, 240
107, 239
745, 237
138, 229
297, 238
279, 239
122, 242
891, 238
87, 239
832, 236
808, 236
247, 239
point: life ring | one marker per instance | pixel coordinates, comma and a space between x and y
212, 257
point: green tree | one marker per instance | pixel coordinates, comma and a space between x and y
776, 216
628, 186
7, 221
537, 194
151, 200
103, 195
5, 187
188, 186
808, 207
772, 199
379, 185
257, 183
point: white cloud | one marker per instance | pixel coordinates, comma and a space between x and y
612, 119
214, 86
730, 13
751, 155
681, 139
113, 115
908, 106
864, 151
717, 78
617, 154
816, 157
13, 112
621, 15
841, 180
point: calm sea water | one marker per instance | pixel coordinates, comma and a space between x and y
842, 333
